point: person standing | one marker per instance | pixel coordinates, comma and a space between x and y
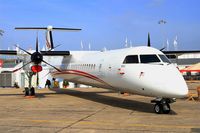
48, 83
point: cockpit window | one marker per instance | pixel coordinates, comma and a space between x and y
164, 58
149, 58
131, 59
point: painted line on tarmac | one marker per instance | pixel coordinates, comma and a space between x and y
51, 121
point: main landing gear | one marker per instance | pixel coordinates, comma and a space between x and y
29, 91
162, 105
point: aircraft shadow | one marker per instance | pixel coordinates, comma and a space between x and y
12, 94
104, 99
108, 100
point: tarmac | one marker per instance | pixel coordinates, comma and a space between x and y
92, 110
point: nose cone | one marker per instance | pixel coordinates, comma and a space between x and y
177, 88
169, 83
177, 85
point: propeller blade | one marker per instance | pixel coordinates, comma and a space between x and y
23, 50
21, 67
51, 66
37, 43
162, 48
149, 42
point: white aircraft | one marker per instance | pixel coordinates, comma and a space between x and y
140, 70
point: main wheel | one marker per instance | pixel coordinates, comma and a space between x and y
166, 108
26, 91
158, 108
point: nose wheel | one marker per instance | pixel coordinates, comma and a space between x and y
162, 105
162, 108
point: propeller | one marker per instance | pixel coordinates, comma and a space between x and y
149, 42
162, 48
36, 59
23, 49
22, 66
36, 43
51, 66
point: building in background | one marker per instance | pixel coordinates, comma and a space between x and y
7, 77
184, 61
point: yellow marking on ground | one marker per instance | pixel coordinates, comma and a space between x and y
50, 121
96, 123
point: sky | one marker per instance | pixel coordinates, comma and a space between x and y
104, 23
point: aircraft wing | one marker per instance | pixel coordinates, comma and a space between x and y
45, 53
8, 52
55, 53
181, 52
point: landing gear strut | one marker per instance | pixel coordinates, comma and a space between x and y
29, 91
162, 105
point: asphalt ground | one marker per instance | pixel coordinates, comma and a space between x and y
92, 110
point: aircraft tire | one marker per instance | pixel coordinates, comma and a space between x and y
166, 108
158, 108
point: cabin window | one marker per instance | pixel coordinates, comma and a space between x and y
149, 58
131, 59
164, 58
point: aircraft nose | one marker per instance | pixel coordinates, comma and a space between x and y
176, 85
178, 88
169, 83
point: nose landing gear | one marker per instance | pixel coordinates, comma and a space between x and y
162, 105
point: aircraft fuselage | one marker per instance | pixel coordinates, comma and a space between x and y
139, 70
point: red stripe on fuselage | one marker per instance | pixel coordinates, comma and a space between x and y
81, 73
